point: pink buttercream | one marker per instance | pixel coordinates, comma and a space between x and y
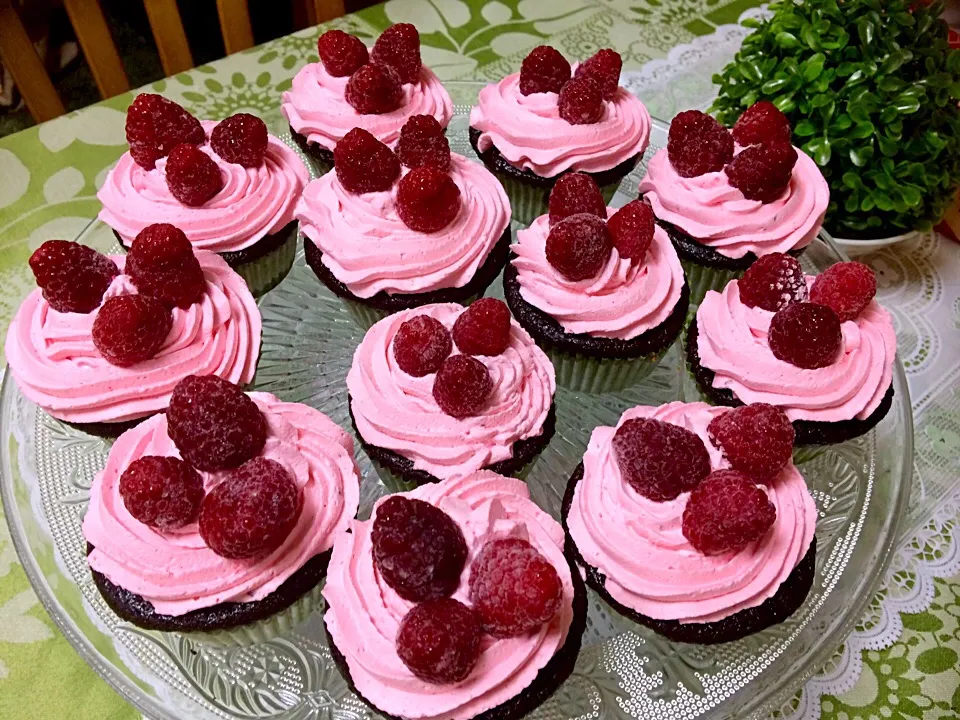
175, 571
368, 248
55, 363
716, 214
315, 106
529, 132
639, 544
397, 411
732, 341
253, 203
365, 613
625, 300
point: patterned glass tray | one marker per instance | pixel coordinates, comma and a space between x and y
624, 670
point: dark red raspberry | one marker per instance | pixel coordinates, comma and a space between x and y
846, 288
399, 47
192, 175
342, 54
421, 345
543, 70
364, 164
762, 172
162, 492
251, 511
214, 425
439, 641
658, 459
757, 439
427, 199
483, 328
162, 265
156, 125
422, 142
462, 386
575, 193
727, 512
514, 589
631, 229
604, 69
73, 277
697, 144
129, 329
580, 102
417, 548
761, 122
806, 335
773, 282
240, 139
374, 89
579, 246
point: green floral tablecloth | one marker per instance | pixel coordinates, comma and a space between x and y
48, 180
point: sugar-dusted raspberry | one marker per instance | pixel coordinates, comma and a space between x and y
514, 589
240, 139
658, 459
761, 122
439, 641
483, 328
156, 125
73, 277
214, 425
462, 386
423, 142
162, 492
129, 329
762, 172
192, 176
544, 69
374, 89
421, 345
806, 335
757, 439
631, 229
342, 54
161, 264
604, 69
846, 288
427, 199
727, 512
251, 511
418, 549
575, 193
578, 246
773, 282
399, 47
364, 164
580, 101
697, 144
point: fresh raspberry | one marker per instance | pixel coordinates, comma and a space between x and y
251, 511
399, 47
757, 439
439, 641
421, 345
543, 70
726, 512
513, 588
422, 142
156, 125
580, 102
462, 386
417, 548
73, 277
631, 229
658, 459
192, 175
374, 89
578, 247
846, 288
214, 425
342, 54
162, 492
575, 193
427, 199
773, 282
604, 69
129, 329
697, 144
762, 172
240, 139
364, 164
483, 328
806, 335
761, 122
162, 265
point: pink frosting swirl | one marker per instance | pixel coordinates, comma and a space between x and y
369, 249
732, 341
625, 300
364, 612
716, 214
639, 544
254, 202
397, 411
316, 107
529, 132
55, 363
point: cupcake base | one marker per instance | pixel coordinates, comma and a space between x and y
108, 430
318, 153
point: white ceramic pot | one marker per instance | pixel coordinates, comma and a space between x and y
853, 247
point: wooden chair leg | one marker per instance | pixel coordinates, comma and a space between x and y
235, 25
328, 9
101, 54
169, 35
21, 59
